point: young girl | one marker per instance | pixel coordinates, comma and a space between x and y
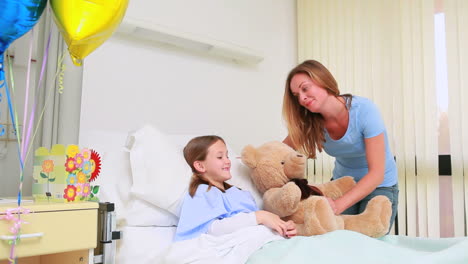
214, 207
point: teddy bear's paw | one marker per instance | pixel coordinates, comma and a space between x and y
336, 188
386, 211
319, 217
378, 202
346, 183
291, 196
381, 207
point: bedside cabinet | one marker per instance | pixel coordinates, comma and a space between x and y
56, 233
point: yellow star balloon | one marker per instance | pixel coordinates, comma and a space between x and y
86, 24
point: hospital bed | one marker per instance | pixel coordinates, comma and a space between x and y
144, 175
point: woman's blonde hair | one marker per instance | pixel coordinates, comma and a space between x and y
197, 150
305, 128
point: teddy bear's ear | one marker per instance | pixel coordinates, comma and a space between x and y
249, 156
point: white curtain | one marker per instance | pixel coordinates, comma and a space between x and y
60, 124
384, 50
456, 13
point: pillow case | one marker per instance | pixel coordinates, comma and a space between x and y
142, 213
160, 174
115, 180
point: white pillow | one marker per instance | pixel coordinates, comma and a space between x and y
115, 180
160, 174
241, 178
142, 213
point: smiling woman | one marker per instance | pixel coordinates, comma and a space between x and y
348, 128
401, 80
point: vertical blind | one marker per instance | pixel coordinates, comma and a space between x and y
456, 13
384, 50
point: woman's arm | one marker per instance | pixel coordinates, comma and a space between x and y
375, 155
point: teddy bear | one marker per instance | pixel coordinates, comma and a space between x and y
278, 172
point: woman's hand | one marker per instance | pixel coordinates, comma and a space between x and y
332, 205
274, 222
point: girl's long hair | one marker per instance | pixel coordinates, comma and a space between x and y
306, 129
196, 150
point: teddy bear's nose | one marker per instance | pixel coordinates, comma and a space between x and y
299, 155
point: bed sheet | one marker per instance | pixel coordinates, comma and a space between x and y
344, 246
144, 245
139, 241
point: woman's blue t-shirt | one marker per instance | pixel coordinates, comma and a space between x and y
350, 152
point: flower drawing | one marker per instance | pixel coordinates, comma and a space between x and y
69, 193
47, 166
95, 165
87, 167
82, 168
81, 177
86, 153
70, 165
86, 190
71, 179
72, 150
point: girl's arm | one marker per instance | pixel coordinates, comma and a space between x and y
273, 221
375, 155
231, 224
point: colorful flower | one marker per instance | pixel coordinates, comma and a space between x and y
47, 166
86, 168
71, 180
86, 153
72, 150
69, 193
81, 177
95, 165
70, 165
86, 190
78, 160
79, 189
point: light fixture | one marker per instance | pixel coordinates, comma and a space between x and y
153, 32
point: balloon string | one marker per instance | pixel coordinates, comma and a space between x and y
26, 97
2, 84
14, 216
33, 109
13, 114
62, 75
49, 93
13, 89
12, 258
14, 121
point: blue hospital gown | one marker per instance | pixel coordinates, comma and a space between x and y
199, 211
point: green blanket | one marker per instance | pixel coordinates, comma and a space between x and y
350, 247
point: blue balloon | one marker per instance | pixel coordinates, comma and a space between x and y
17, 17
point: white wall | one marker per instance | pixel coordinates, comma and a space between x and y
129, 83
